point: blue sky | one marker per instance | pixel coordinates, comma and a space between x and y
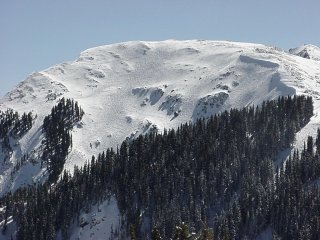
36, 34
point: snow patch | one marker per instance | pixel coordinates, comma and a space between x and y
277, 85
210, 104
172, 104
144, 127
258, 62
101, 222
265, 235
129, 119
307, 51
151, 95
96, 73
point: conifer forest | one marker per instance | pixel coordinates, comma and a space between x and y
216, 178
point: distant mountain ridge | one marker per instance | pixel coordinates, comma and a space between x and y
308, 51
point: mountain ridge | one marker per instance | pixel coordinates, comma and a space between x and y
131, 88
128, 89
308, 51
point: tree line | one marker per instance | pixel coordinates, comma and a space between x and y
58, 139
216, 176
13, 126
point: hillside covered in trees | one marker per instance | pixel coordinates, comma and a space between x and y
13, 126
216, 177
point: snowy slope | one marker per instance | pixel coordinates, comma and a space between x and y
130, 88
99, 223
307, 51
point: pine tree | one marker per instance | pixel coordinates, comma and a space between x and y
181, 232
133, 232
155, 234
206, 234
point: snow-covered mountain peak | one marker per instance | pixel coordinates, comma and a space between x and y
130, 88
308, 51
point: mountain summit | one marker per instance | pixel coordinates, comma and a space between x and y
130, 88
308, 51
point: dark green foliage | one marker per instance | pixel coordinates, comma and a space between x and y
41, 210
193, 173
12, 127
206, 234
218, 171
133, 232
155, 234
12, 124
181, 232
56, 128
